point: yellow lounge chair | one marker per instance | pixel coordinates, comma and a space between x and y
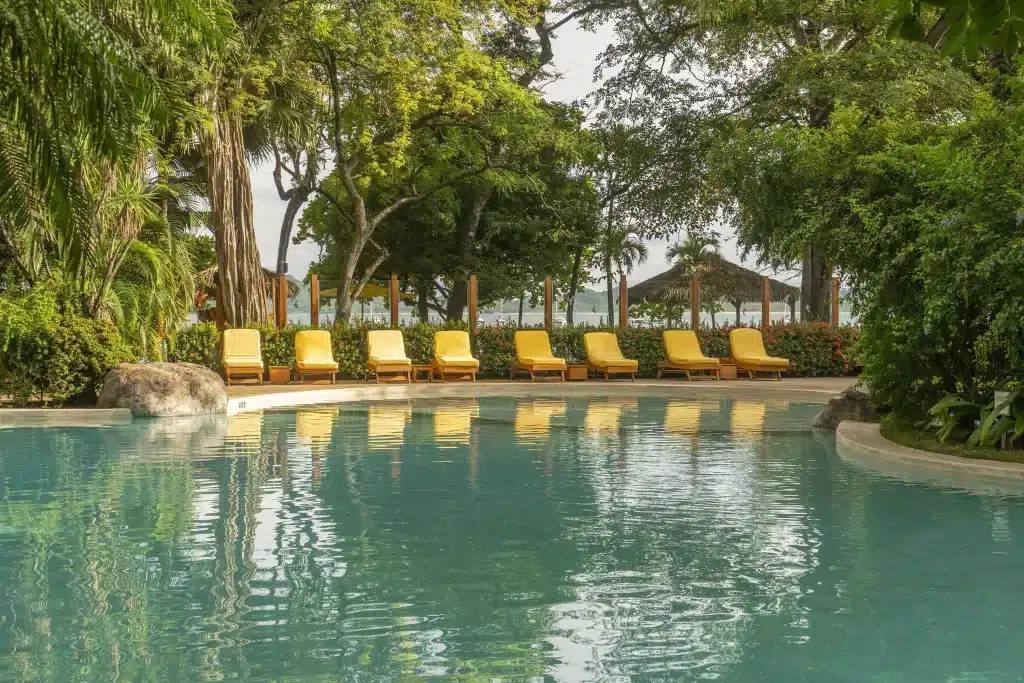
604, 356
748, 351
453, 356
242, 354
313, 354
533, 354
684, 355
386, 354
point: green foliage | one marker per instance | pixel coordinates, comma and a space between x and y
977, 425
199, 344
56, 358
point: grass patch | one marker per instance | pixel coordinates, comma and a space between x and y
907, 434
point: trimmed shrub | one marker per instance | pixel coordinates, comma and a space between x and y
61, 360
199, 344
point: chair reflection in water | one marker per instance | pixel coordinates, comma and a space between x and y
747, 417
533, 419
453, 421
606, 416
245, 428
385, 425
314, 426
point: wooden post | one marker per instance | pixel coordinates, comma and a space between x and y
282, 300
472, 303
314, 301
694, 303
623, 304
835, 302
792, 308
549, 304
393, 296
766, 303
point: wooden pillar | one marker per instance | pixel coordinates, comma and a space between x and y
282, 300
766, 303
623, 304
472, 302
694, 303
835, 302
549, 303
393, 297
314, 300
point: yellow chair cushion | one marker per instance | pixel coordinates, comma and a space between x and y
747, 347
313, 350
451, 349
386, 346
242, 349
534, 348
602, 350
682, 347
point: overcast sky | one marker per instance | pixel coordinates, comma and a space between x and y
576, 51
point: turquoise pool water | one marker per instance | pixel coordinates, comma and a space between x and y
609, 540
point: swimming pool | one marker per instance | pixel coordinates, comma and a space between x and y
612, 539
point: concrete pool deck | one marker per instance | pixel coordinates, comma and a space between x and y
814, 390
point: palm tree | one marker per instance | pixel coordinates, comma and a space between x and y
694, 255
619, 251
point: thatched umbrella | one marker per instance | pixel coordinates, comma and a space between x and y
720, 280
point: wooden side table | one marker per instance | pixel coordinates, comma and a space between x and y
427, 368
575, 373
727, 369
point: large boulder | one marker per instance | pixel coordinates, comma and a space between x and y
853, 404
164, 390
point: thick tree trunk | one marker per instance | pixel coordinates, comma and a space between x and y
814, 286
242, 286
574, 283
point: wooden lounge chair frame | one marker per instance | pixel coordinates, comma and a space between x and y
665, 366
395, 369
608, 370
515, 366
246, 370
460, 372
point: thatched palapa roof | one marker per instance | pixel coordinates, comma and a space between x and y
719, 279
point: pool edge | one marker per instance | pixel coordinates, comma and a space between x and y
864, 440
11, 418
385, 392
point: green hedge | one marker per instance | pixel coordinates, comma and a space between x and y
54, 357
814, 349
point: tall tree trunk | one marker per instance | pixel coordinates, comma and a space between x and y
611, 291
521, 297
291, 212
814, 286
574, 283
739, 310
422, 309
242, 286
467, 246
